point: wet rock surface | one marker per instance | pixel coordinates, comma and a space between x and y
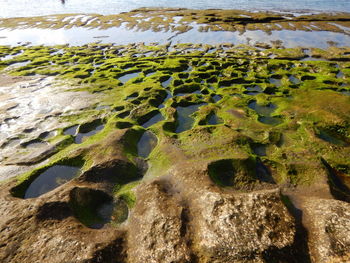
162, 180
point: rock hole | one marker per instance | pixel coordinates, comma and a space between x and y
166, 83
331, 137
275, 81
263, 173
88, 130
273, 121
157, 118
125, 78
262, 110
255, 90
259, 149
150, 74
95, 208
50, 179
146, 144
214, 119
340, 75
102, 107
184, 119
132, 96
71, 130
123, 114
123, 124
339, 182
222, 172
294, 80
47, 135
216, 98
307, 77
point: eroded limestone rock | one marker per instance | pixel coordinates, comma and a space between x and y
234, 227
157, 232
328, 222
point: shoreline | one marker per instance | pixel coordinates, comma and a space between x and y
179, 26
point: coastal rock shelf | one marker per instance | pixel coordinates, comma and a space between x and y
182, 20
180, 153
163, 26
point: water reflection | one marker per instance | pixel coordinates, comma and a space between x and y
184, 118
146, 144
50, 179
81, 36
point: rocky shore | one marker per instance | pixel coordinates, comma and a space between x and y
176, 152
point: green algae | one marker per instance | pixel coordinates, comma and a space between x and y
225, 86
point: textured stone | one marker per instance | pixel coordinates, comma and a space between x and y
234, 227
157, 233
328, 222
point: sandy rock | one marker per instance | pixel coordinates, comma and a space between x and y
328, 222
235, 227
156, 231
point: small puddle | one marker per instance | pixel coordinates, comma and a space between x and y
276, 82
260, 150
331, 138
146, 144
214, 119
313, 59
263, 173
346, 92
102, 107
166, 83
71, 131
340, 75
124, 114
169, 96
150, 74
294, 80
129, 76
262, 110
47, 135
50, 179
187, 93
157, 118
270, 120
222, 173
189, 69
339, 181
183, 117
21, 64
216, 98
7, 57
265, 112
110, 212
253, 90
80, 136
132, 96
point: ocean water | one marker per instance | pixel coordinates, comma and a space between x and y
25, 8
